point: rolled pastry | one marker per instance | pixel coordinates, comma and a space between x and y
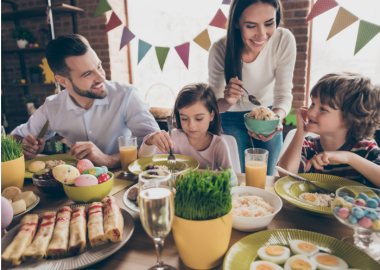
95, 225
12, 254
57, 248
77, 242
113, 220
37, 250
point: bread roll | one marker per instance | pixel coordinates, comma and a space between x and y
18, 207
36, 166
28, 196
11, 192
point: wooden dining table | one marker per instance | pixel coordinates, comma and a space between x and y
139, 252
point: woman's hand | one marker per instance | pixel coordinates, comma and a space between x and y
267, 138
233, 91
162, 140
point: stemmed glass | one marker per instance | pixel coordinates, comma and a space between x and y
156, 203
363, 237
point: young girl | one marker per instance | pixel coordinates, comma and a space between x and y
198, 130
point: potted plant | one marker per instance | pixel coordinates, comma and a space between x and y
23, 36
12, 162
202, 223
35, 74
29, 100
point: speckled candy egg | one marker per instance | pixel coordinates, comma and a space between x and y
105, 169
96, 171
85, 180
84, 164
6, 213
103, 178
65, 174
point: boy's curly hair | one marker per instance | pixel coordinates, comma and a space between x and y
356, 97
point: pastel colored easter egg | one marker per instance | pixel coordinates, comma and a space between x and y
376, 198
85, 180
376, 224
84, 164
348, 205
371, 203
349, 199
343, 213
357, 212
363, 196
336, 209
103, 178
65, 174
96, 171
339, 201
36, 45
31, 45
352, 219
105, 169
359, 202
6, 213
372, 214
365, 222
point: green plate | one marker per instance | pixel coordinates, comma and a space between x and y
70, 160
182, 163
244, 252
289, 189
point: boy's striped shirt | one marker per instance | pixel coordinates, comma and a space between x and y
366, 149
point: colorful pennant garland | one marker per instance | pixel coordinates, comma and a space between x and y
367, 31
183, 50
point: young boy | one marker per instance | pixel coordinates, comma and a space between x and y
345, 113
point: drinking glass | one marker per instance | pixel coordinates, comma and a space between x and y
128, 151
156, 203
256, 161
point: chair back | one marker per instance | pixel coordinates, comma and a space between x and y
234, 152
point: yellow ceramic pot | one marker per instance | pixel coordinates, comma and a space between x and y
12, 173
202, 244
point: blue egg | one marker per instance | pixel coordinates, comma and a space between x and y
371, 203
336, 209
349, 199
372, 214
376, 198
363, 196
357, 212
352, 219
105, 169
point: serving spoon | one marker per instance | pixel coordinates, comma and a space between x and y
251, 98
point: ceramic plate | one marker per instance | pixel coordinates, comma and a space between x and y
70, 160
289, 189
244, 252
131, 204
29, 208
183, 163
89, 257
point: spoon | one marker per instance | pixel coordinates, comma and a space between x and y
251, 98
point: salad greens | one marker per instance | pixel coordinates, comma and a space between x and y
10, 148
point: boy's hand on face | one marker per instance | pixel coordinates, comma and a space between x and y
326, 158
302, 120
162, 140
89, 150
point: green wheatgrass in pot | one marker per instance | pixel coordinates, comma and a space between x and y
10, 148
203, 196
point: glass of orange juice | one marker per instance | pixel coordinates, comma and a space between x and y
128, 151
256, 161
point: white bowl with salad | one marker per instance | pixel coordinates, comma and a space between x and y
253, 208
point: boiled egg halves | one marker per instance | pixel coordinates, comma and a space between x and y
275, 254
299, 262
263, 265
326, 261
303, 248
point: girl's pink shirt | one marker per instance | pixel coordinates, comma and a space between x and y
215, 156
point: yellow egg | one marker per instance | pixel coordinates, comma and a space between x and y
275, 254
326, 261
65, 174
310, 198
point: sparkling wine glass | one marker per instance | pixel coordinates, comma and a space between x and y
156, 203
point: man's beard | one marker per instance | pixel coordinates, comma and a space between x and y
89, 93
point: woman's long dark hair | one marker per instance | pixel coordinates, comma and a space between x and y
234, 42
192, 94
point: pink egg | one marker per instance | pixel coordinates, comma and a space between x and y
83, 165
6, 213
365, 222
359, 202
343, 213
85, 181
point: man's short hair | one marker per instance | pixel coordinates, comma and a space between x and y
356, 97
65, 46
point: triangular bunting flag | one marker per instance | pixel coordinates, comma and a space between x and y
102, 7
127, 37
162, 53
226, 2
366, 32
183, 52
203, 40
143, 49
112, 23
321, 6
342, 20
219, 20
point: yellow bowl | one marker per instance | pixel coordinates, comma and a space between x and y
12, 173
89, 194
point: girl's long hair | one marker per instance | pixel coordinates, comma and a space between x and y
192, 94
234, 42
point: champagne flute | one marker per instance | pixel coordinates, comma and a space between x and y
156, 203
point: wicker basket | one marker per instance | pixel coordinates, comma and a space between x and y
158, 112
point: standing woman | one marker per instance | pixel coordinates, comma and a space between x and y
261, 54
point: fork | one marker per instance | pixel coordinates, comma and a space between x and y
171, 157
295, 176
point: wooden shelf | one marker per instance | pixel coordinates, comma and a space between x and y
26, 50
28, 84
39, 12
